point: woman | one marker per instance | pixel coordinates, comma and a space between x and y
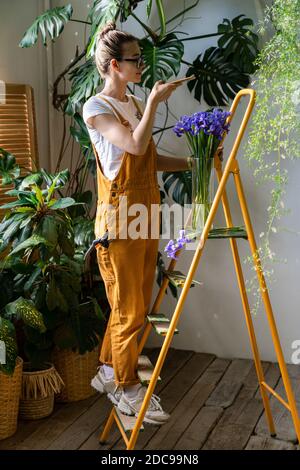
121, 135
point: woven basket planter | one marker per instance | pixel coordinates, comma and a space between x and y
38, 389
10, 391
76, 370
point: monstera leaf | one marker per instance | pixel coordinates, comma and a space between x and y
162, 59
85, 80
180, 184
101, 13
51, 22
216, 79
239, 43
104, 11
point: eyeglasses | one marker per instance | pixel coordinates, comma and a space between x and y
139, 61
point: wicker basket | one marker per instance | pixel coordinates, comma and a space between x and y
76, 370
10, 390
38, 389
36, 408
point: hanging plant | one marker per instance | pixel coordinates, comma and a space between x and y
275, 130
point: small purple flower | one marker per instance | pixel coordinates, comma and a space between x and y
172, 247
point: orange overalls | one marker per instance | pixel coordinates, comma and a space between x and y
128, 265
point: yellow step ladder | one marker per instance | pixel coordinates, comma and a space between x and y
131, 426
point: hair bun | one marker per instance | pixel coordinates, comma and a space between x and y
110, 26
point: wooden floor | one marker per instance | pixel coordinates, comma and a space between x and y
214, 404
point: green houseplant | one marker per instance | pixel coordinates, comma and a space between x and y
275, 128
10, 376
50, 304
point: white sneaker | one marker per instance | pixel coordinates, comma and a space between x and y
104, 385
131, 406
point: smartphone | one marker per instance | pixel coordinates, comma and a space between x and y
191, 77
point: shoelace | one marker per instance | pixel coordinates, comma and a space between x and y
155, 403
117, 392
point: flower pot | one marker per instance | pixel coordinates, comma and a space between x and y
77, 371
202, 191
10, 390
38, 389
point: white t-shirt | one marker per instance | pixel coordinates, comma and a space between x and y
110, 155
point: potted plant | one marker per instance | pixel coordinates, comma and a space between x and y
38, 235
10, 379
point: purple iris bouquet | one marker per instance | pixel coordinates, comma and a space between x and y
203, 131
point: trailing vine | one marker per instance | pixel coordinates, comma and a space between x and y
274, 135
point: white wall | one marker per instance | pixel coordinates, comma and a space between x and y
212, 319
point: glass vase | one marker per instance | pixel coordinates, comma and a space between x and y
202, 191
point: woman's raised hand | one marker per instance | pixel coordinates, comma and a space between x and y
162, 91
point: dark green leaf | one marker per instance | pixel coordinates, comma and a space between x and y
216, 79
162, 59
51, 22
8, 346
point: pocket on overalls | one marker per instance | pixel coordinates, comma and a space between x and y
104, 263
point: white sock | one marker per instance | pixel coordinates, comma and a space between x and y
108, 371
131, 390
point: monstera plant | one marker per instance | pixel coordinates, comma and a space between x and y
44, 293
220, 71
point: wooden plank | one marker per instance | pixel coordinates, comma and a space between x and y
127, 422
190, 405
38, 434
267, 443
282, 417
158, 317
174, 361
176, 390
145, 370
160, 323
228, 437
177, 278
272, 377
237, 423
76, 434
198, 431
231, 384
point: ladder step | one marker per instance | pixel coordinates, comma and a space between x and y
177, 278
220, 232
127, 422
228, 232
160, 323
145, 370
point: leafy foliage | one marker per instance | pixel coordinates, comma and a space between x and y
162, 59
51, 22
45, 296
8, 336
275, 126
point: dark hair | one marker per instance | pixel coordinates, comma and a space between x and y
109, 46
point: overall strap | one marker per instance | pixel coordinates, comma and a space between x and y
119, 116
136, 104
96, 156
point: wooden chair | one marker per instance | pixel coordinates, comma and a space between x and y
18, 128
